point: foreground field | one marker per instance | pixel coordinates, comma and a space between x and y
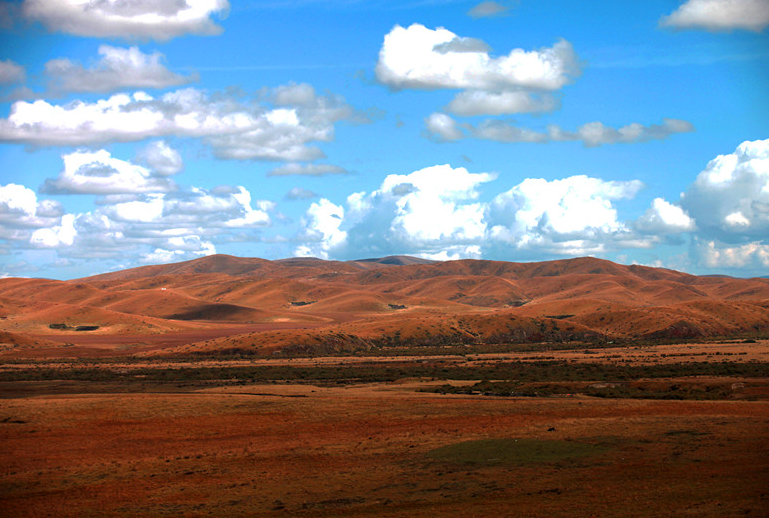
660, 435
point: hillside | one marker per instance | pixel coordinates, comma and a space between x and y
224, 302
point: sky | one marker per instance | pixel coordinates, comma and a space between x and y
138, 132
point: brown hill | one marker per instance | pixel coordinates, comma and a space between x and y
306, 302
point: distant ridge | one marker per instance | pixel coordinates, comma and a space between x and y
379, 302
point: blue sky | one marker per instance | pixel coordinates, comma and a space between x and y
140, 132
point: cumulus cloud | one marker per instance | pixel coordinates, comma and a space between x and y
720, 15
97, 172
161, 158
575, 215
409, 59
664, 218
21, 212
443, 127
488, 9
235, 129
56, 236
156, 227
11, 72
321, 230
118, 68
431, 210
130, 19
715, 254
730, 198
436, 213
294, 169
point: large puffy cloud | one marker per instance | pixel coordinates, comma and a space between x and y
430, 211
442, 127
131, 19
409, 59
235, 129
664, 218
720, 15
519, 82
730, 199
321, 230
572, 215
436, 213
118, 68
97, 172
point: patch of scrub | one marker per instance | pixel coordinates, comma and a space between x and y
489, 452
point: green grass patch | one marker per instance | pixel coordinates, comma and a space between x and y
492, 452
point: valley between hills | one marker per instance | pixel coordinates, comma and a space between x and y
393, 387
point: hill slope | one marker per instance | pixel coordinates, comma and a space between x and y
263, 305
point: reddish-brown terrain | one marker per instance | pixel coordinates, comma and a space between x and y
256, 306
402, 388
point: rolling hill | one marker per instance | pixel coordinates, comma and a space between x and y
223, 302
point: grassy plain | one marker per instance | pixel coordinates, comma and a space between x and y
636, 431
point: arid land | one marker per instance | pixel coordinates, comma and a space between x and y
235, 387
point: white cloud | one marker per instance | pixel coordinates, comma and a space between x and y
715, 254
294, 169
593, 134
664, 218
488, 9
575, 215
97, 172
720, 15
11, 72
20, 212
428, 211
130, 19
179, 249
236, 130
118, 68
597, 134
730, 199
480, 102
161, 158
501, 131
56, 236
321, 230
409, 59
442, 127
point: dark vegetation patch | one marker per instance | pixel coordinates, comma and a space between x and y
543, 378
76, 328
678, 389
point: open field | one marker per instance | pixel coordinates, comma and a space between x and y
227, 386
379, 436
